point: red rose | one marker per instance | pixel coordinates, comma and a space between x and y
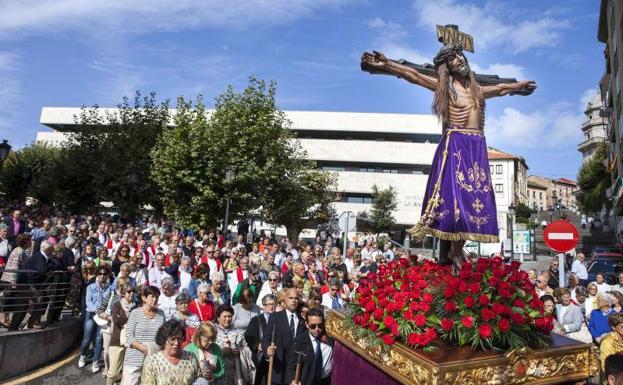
370, 306
431, 333
504, 325
414, 306
373, 327
427, 298
449, 292
388, 339
474, 288
518, 318
450, 306
484, 300
545, 324
447, 324
412, 339
519, 303
399, 304
487, 314
420, 320
378, 313
394, 329
485, 331
424, 307
383, 303
477, 276
467, 321
505, 293
493, 281
389, 321
454, 282
469, 302
421, 284
465, 272
408, 315
462, 287
498, 308
358, 320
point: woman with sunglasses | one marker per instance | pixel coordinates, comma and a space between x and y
172, 365
272, 285
95, 294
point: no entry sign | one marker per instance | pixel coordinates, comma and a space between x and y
561, 236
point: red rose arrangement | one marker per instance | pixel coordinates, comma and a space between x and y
489, 305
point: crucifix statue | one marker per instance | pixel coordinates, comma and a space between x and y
459, 203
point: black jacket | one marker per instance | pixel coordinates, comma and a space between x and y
303, 343
40, 268
257, 329
284, 343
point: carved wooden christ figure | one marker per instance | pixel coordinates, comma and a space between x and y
459, 203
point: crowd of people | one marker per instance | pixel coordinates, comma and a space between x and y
163, 305
590, 312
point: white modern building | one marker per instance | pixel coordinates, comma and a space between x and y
363, 149
594, 128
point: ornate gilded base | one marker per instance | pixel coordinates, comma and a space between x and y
566, 360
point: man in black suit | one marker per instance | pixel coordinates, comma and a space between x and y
317, 362
257, 329
40, 265
287, 325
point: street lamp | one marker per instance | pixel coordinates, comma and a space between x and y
5, 149
229, 176
511, 215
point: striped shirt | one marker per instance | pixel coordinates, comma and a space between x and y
142, 329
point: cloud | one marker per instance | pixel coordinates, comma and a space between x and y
25, 17
10, 91
488, 25
389, 39
500, 69
555, 127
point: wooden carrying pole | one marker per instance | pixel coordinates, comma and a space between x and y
271, 359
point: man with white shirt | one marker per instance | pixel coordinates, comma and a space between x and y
157, 273
619, 286
318, 349
288, 326
332, 298
579, 269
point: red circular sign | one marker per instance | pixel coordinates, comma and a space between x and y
561, 236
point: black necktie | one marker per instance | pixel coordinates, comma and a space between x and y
292, 325
318, 361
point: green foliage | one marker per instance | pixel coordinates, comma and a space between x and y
523, 213
248, 132
593, 180
112, 152
383, 206
31, 172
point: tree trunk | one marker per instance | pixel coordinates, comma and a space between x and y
293, 232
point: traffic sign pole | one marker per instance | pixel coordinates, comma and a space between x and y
561, 236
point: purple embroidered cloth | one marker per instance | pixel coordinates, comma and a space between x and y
351, 369
459, 203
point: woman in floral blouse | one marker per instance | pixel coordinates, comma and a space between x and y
230, 340
171, 365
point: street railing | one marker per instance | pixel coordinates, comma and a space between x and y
34, 293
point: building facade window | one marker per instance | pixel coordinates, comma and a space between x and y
499, 188
498, 168
490, 169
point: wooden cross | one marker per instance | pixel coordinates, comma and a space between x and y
449, 34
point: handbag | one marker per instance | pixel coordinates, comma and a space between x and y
583, 335
103, 323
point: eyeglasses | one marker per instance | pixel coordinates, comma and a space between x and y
175, 339
269, 304
314, 326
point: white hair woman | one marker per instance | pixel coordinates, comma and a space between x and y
272, 285
598, 324
219, 292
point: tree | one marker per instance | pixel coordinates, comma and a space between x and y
245, 131
113, 149
593, 180
30, 172
301, 199
523, 213
384, 202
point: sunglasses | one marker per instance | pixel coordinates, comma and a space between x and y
314, 326
272, 280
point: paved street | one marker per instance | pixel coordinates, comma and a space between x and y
70, 375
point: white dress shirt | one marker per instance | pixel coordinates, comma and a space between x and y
327, 356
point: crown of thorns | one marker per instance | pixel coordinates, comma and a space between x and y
447, 52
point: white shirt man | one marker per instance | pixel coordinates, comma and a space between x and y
578, 267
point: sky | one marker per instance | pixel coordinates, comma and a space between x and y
70, 53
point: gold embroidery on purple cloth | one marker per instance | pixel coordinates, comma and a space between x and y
457, 211
476, 175
477, 206
478, 221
